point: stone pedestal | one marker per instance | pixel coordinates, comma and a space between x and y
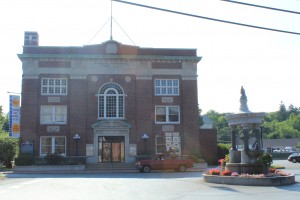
251, 156
244, 168
234, 156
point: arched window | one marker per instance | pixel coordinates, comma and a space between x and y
111, 101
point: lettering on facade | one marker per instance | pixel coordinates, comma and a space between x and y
53, 99
112, 64
167, 99
167, 128
52, 129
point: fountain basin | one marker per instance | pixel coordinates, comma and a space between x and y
249, 181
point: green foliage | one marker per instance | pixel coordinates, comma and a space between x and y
9, 149
54, 159
24, 160
3, 121
266, 159
221, 125
200, 118
284, 123
223, 150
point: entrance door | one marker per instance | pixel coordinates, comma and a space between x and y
111, 149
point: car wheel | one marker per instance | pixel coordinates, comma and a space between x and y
146, 169
182, 168
294, 160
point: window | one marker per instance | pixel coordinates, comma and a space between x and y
167, 114
54, 145
168, 141
53, 114
166, 87
159, 143
54, 86
111, 101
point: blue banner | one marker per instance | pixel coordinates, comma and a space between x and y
14, 116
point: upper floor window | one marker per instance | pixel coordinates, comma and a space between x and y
111, 101
166, 87
167, 114
53, 114
54, 86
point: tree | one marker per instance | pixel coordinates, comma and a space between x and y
221, 125
9, 149
282, 113
285, 123
200, 118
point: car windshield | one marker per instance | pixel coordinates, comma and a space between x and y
294, 154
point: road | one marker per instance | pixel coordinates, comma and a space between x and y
189, 185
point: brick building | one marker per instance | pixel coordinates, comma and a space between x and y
111, 95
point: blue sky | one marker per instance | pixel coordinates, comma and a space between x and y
266, 63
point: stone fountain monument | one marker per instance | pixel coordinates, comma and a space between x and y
248, 124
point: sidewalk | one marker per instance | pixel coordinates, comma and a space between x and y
84, 169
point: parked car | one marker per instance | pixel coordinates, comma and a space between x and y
294, 157
165, 162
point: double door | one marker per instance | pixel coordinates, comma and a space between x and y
111, 149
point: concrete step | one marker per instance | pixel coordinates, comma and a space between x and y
110, 166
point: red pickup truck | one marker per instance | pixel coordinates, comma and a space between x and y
165, 162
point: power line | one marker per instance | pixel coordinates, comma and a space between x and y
259, 6
208, 18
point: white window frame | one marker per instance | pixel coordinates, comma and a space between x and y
53, 145
49, 114
55, 85
166, 87
167, 114
103, 103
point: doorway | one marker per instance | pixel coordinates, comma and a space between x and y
111, 149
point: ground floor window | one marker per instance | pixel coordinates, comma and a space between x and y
168, 141
111, 149
53, 145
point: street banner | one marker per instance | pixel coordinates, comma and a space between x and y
14, 116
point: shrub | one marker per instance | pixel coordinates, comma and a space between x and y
9, 149
54, 159
24, 159
196, 158
222, 150
266, 159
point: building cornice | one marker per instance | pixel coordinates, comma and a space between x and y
153, 58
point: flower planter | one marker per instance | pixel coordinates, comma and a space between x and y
249, 181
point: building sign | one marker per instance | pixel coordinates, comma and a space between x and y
14, 116
27, 148
173, 142
132, 149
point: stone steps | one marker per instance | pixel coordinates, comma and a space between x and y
110, 166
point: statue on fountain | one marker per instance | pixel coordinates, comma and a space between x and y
249, 123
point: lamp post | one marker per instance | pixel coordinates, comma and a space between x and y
76, 139
145, 137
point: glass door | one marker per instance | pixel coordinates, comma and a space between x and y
111, 149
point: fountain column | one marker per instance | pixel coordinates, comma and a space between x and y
234, 154
245, 157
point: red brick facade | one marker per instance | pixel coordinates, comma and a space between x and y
132, 71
